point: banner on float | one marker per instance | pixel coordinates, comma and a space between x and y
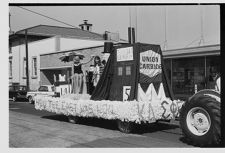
125, 54
150, 63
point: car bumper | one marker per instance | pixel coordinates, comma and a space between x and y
22, 96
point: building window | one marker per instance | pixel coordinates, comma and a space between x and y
34, 66
120, 71
10, 68
168, 66
128, 70
24, 68
188, 76
10, 50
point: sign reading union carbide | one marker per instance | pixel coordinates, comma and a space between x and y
150, 63
125, 54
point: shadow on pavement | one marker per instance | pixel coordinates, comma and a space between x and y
184, 140
112, 125
154, 127
61, 118
95, 122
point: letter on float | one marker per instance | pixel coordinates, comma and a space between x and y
161, 93
151, 93
141, 94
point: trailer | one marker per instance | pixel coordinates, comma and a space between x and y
134, 89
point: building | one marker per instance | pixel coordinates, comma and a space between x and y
189, 69
44, 39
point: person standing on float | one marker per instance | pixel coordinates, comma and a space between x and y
98, 69
78, 79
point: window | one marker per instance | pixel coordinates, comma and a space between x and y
120, 71
34, 66
128, 70
24, 68
10, 67
10, 48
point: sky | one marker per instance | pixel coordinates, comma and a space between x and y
179, 25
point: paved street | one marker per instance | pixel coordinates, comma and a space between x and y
29, 128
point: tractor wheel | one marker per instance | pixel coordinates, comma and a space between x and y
200, 119
73, 119
125, 127
30, 99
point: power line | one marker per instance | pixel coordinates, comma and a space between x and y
47, 17
191, 42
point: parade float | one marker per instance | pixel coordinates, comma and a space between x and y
133, 89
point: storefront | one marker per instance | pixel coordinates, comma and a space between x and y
189, 70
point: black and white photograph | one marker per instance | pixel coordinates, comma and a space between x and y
114, 75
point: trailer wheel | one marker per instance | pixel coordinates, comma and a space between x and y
125, 127
30, 99
200, 120
73, 119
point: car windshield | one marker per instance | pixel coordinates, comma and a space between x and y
43, 88
11, 88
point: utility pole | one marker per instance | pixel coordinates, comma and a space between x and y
165, 41
201, 41
27, 59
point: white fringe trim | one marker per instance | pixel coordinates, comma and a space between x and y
81, 105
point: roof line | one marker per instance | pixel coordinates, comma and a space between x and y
63, 36
27, 29
193, 47
70, 28
57, 27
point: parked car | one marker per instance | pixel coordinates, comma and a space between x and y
47, 90
17, 92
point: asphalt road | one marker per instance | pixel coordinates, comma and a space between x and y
160, 135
